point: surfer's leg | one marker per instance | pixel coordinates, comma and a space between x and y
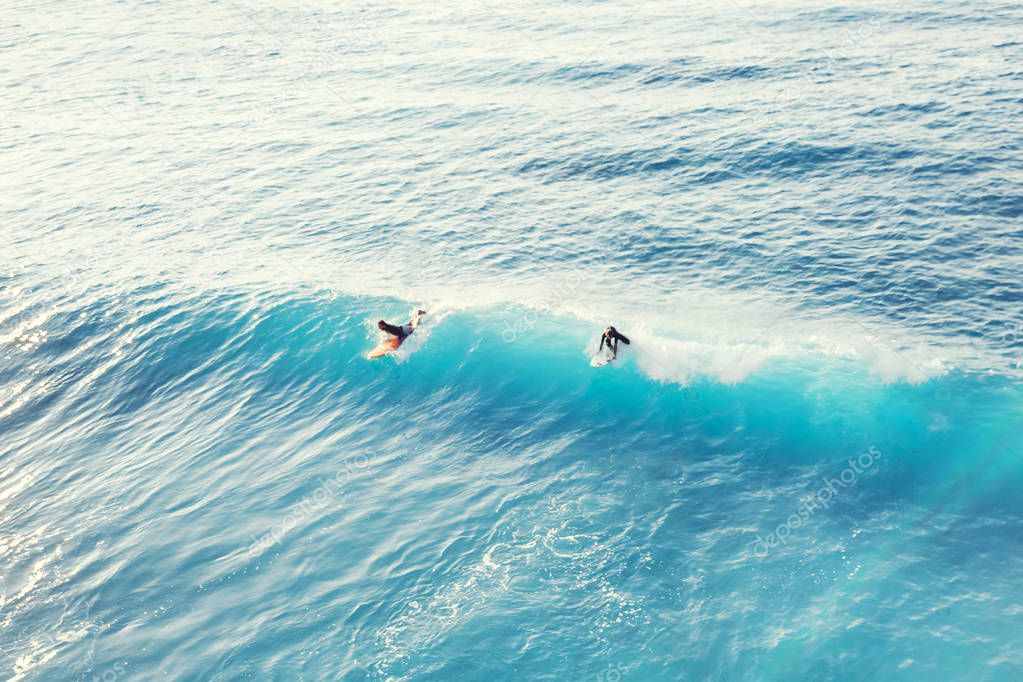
392, 330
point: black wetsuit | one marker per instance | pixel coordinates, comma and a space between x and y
394, 331
405, 329
611, 337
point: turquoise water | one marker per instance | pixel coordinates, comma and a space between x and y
806, 466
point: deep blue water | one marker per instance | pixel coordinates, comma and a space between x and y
807, 465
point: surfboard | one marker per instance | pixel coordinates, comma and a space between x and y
600, 359
386, 346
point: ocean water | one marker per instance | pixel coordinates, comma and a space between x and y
807, 465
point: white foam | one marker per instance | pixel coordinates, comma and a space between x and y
680, 337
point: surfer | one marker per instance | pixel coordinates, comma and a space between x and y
611, 337
405, 329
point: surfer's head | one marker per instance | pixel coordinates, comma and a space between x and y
381, 325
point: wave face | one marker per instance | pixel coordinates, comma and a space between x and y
806, 466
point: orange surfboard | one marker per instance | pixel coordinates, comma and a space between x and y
385, 347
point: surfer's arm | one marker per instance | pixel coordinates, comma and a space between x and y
601, 343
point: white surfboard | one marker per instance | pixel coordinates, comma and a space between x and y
600, 359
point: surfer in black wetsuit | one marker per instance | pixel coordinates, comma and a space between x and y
611, 337
405, 329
